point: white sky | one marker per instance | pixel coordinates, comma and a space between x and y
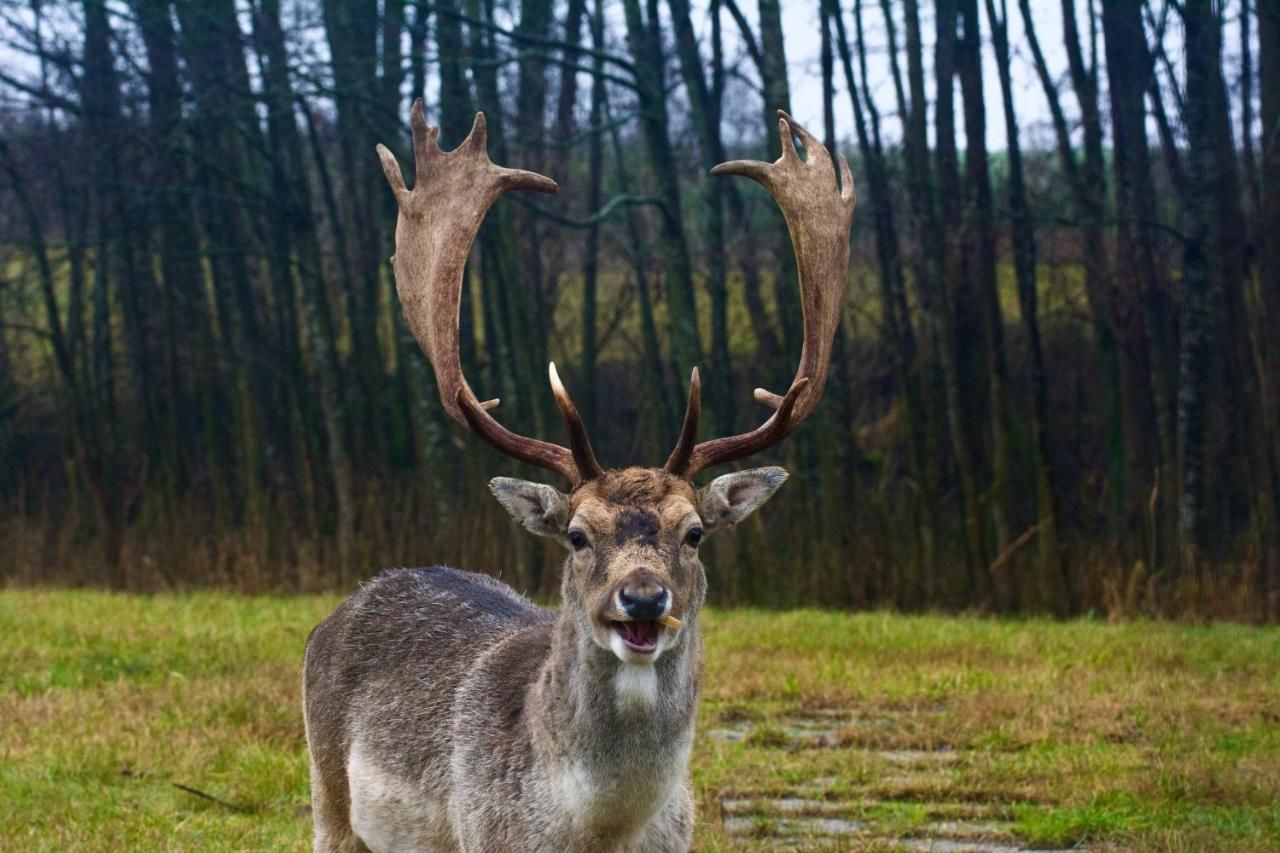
803, 40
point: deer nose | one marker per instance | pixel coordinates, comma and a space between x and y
644, 601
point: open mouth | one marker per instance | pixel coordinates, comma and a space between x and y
638, 636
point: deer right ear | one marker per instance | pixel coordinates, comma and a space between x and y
539, 508
728, 499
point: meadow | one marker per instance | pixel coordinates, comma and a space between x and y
172, 722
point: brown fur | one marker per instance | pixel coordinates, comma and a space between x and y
637, 487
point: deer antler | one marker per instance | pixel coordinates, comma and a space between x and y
819, 214
439, 219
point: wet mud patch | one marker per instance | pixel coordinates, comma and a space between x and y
907, 731
796, 822
905, 798
793, 731
807, 728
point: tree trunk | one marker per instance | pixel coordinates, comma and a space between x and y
1139, 305
418, 34
655, 377
286, 143
957, 313
188, 318
227, 139
1054, 592
520, 382
646, 48
531, 295
705, 113
895, 313
939, 367
116, 270
1087, 184
1197, 320
777, 96
1253, 189
351, 29
591, 252
982, 237
1268, 300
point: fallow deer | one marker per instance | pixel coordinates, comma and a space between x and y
445, 711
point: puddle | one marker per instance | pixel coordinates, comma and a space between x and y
825, 722
727, 735
970, 845
802, 736
898, 781
791, 820
965, 829
958, 837
822, 728
914, 767
820, 713
789, 732
819, 728
960, 845
805, 815
780, 805
918, 756
791, 827
793, 733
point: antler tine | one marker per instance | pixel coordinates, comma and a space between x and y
438, 222
679, 457
819, 214
579, 444
730, 448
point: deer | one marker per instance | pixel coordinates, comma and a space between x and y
446, 711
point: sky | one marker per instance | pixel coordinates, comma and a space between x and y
803, 44
800, 23
800, 28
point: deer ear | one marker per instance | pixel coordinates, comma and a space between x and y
541, 509
728, 499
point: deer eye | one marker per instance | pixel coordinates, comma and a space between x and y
578, 540
694, 537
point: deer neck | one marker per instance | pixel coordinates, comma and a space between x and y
599, 719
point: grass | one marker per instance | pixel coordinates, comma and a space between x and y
1135, 736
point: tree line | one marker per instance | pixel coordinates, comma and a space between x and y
1055, 388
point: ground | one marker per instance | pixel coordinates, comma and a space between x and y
173, 722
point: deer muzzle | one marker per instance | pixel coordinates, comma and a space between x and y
641, 609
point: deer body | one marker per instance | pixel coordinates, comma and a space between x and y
444, 711
492, 733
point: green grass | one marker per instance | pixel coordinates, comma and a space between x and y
1135, 736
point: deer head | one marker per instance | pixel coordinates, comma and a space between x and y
632, 533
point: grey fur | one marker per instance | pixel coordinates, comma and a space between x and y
444, 711
542, 509
729, 498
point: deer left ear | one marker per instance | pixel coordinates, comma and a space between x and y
728, 499
540, 508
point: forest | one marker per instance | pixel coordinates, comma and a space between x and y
1055, 385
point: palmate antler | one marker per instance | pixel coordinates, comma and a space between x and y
819, 214
438, 222
441, 215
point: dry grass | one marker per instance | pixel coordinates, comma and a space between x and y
1135, 736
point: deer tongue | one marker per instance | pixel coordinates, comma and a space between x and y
640, 634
